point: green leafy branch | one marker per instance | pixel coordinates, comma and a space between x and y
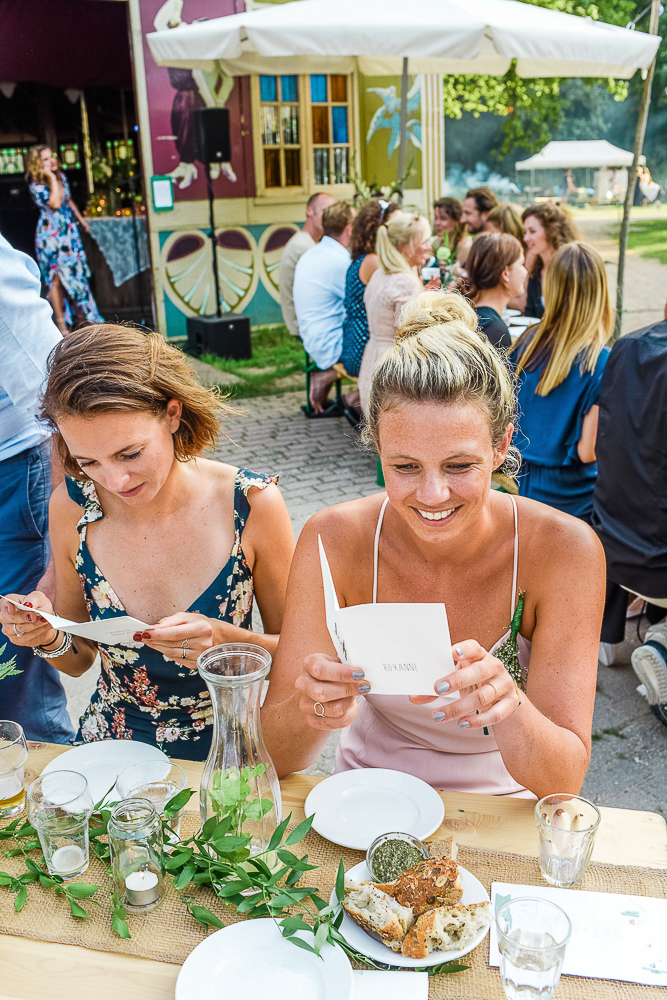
8, 668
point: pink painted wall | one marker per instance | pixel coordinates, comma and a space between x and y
161, 98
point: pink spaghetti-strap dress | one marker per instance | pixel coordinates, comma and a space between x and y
390, 731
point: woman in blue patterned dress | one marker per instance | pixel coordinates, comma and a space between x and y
146, 527
364, 263
60, 253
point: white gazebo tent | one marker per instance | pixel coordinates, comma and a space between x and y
596, 154
386, 37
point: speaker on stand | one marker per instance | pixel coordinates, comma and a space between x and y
228, 336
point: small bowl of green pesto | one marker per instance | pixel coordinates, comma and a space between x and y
391, 854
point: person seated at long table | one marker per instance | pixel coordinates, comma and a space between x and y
146, 527
514, 718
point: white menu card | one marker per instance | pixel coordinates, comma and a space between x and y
614, 936
105, 630
402, 648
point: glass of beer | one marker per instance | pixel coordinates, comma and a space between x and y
13, 755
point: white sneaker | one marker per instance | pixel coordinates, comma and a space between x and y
607, 654
649, 662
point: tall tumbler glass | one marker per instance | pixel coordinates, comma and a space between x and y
59, 807
13, 755
532, 936
566, 825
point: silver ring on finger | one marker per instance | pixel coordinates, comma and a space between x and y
320, 714
16, 631
183, 653
185, 644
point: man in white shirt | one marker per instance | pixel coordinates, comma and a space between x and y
308, 237
30, 689
319, 298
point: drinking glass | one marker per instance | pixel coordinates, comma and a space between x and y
532, 935
13, 755
566, 825
59, 807
155, 780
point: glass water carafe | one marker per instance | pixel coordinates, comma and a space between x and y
239, 779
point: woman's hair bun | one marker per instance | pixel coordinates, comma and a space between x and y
429, 308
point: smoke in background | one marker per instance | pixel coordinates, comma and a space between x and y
458, 181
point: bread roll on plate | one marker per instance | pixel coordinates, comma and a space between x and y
447, 928
377, 912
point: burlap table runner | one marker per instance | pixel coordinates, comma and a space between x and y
169, 933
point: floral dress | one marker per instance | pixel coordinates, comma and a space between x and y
141, 694
60, 251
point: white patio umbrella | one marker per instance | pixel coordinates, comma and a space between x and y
388, 37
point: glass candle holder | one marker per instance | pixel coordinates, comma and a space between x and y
137, 857
59, 808
13, 755
566, 825
155, 780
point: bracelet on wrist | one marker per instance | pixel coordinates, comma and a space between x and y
49, 654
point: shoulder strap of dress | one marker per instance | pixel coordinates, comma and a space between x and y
376, 546
515, 569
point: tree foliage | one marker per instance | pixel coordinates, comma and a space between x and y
533, 108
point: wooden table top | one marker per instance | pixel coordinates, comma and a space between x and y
34, 970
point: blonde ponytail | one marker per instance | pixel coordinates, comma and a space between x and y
399, 229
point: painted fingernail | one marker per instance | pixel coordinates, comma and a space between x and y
28, 618
137, 637
459, 650
364, 688
358, 675
442, 687
438, 716
463, 724
28, 604
146, 635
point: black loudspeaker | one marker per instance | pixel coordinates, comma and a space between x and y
214, 135
227, 336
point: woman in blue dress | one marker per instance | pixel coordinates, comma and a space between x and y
364, 264
145, 526
559, 369
60, 253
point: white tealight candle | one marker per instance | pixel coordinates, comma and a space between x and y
67, 859
142, 888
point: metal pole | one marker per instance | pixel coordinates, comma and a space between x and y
87, 154
632, 178
403, 121
209, 188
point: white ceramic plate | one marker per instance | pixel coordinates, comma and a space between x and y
357, 938
101, 762
354, 807
512, 312
252, 959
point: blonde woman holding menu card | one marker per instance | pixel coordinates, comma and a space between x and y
523, 585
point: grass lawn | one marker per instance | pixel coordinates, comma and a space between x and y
649, 238
277, 358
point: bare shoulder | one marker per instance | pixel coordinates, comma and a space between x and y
346, 528
551, 538
62, 509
